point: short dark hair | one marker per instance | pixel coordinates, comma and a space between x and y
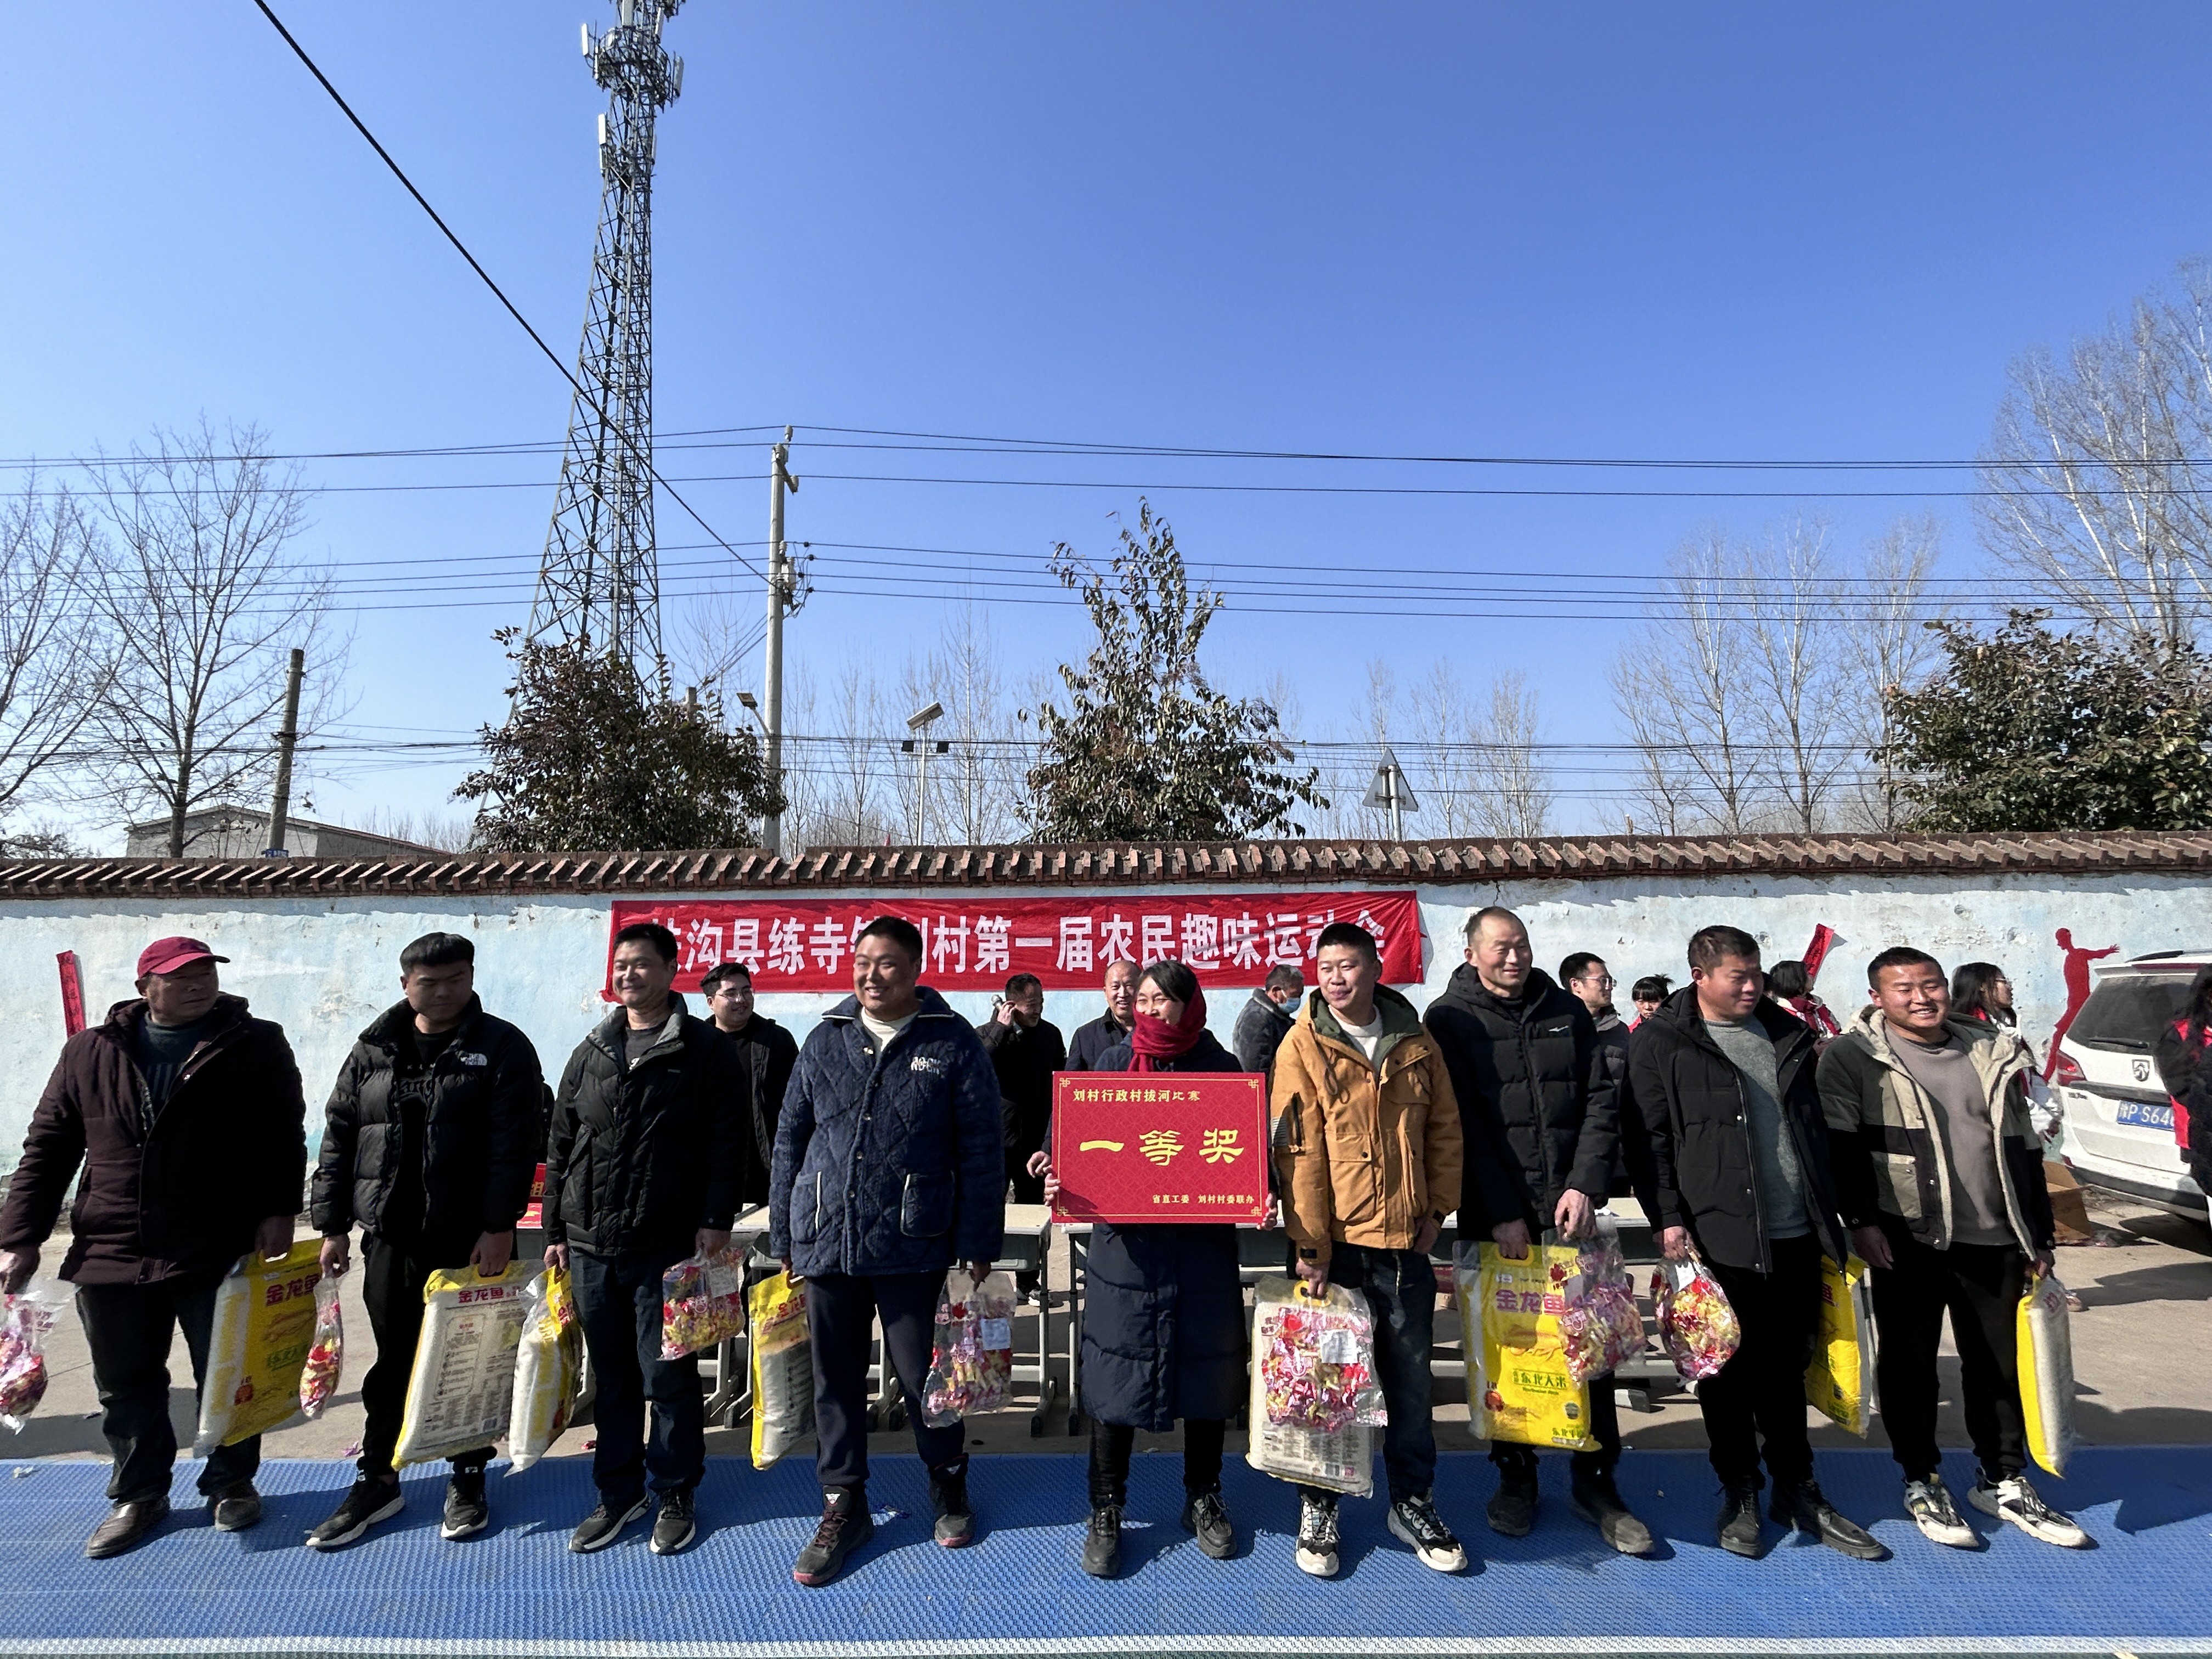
1349, 934
1789, 979
650, 932
1474, 922
1708, 945
1573, 966
1020, 984
899, 931
1174, 978
1900, 956
435, 950
1658, 986
721, 971
1284, 977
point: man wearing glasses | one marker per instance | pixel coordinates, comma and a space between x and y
1587, 977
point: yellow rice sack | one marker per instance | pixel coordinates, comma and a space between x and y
1519, 1386
264, 1323
461, 1392
549, 1367
783, 1360
2046, 1373
1839, 1382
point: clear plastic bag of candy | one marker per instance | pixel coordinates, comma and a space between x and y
1697, 1326
702, 1303
1600, 1330
1317, 1355
971, 1368
319, 1377
26, 1318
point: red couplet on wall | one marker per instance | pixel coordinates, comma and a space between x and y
976, 941
1146, 1146
72, 993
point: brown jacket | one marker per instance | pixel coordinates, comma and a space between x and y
1367, 1151
183, 1195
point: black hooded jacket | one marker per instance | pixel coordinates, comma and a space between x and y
480, 1134
766, 1055
1702, 1168
1536, 1101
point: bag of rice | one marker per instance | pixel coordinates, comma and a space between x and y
783, 1368
2046, 1373
462, 1390
264, 1324
548, 1369
1286, 1339
1840, 1382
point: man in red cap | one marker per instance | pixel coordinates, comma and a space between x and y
185, 1113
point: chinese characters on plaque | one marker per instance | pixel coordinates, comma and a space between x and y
1141, 1146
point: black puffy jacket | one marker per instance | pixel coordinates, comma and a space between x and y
480, 1137
1536, 1101
766, 1055
1703, 1168
640, 1158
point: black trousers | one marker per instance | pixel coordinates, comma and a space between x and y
1028, 1188
129, 1328
619, 1303
1979, 1286
1759, 1394
840, 1310
392, 1273
1517, 1463
1112, 1443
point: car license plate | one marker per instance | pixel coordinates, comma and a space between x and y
2144, 1115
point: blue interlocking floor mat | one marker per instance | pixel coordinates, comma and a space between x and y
2147, 1587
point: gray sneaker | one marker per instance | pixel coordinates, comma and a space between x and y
604, 1525
677, 1524
1931, 1507
2015, 1501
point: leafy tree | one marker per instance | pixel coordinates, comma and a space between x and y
1145, 749
591, 757
2026, 729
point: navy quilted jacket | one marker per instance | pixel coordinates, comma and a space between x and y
889, 1162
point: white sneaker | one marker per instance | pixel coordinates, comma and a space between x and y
1416, 1524
1318, 1536
2015, 1501
1931, 1507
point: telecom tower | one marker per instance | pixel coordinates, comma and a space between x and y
600, 580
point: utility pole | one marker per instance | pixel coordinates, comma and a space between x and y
779, 607
280, 798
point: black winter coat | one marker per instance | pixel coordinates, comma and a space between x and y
481, 1135
1164, 1315
1092, 1040
889, 1162
640, 1158
1261, 1028
1703, 1168
184, 1195
2188, 1081
1025, 1060
1539, 1109
766, 1056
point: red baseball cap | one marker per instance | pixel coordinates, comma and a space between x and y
166, 956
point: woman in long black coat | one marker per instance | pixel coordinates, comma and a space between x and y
1164, 1313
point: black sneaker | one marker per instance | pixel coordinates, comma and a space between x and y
1415, 1524
1318, 1536
1738, 1525
1597, 1500
1803, 1507
127, 1526
604, 1525
948, 1496
846, 1525
236, 1507
677, 1524
1101, 1543
1206, 1517
1512, 1509
366, 1503
466, 1512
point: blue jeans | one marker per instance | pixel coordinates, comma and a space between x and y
618, 1302
1400, 1288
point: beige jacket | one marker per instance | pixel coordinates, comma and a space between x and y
1367, 1151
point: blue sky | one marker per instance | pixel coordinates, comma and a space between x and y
1690, 232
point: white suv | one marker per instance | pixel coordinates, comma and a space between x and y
2118, 1120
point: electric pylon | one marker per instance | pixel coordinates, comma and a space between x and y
600, 580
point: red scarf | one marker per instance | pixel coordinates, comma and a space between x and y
1153, 1039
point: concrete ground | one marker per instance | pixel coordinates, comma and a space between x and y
2142, 1347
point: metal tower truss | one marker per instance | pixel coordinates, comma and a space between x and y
600, 580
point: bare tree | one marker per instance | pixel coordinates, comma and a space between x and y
56, 654
1886, 648
2093, 471
449, 832
1513, 793
974, 786
205, 598
1790, 616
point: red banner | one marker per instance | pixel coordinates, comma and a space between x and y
975, 941
72, 993
1147, 1146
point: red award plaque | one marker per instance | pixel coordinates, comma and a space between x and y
1139, 1147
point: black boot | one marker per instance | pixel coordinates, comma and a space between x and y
1738, 1524
1102, 1544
